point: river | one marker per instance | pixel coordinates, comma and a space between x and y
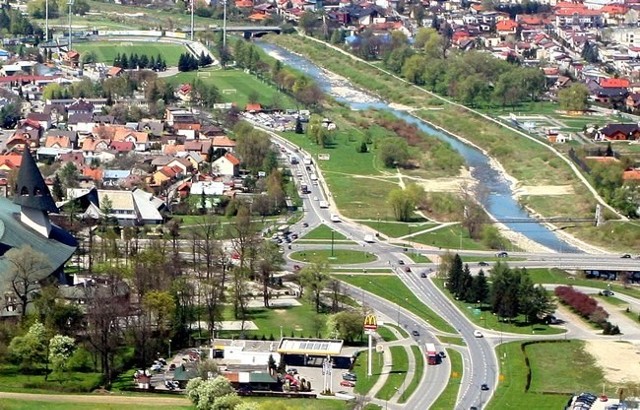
499, 200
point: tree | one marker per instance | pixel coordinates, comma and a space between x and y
455, 278
212, 394
314, 278
346, 325
27, 267
56, 190
271, 261
574, 98
307, 21
393, 152
60, 350
401, 203
10, 115
30, 349
480, 290
68, 175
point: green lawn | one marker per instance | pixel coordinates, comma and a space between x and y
418, 257
559, 276
386, 334
449, 395
298, 321
553, 370
237, 87
365, 382
392, 289
106, 50
451, 237
27, 404
394, 229
340, 256
481, 316
417, 376
452, 340
403, 332
396, 378
323, 232
11, 380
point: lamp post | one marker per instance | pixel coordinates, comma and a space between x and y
224, 25
193, 6
70, 4
169, 356
46, 21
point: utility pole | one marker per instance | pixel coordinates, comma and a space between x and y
224, 25
193, 6
70, 4
46, 20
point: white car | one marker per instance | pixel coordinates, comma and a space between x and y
315, 198
477, 333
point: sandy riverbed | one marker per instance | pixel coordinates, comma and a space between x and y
620, 362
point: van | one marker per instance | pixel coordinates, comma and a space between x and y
324, 204
335, 218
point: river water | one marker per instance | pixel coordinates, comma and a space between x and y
498, 200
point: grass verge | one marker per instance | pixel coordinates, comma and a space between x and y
397, 375
449, 395
452, 340
386, 334
340, 256
403, 332
391, 288
365, 382
417, 375
323, 232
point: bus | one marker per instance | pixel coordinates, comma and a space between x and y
432, 355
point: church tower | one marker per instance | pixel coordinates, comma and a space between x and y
33, 196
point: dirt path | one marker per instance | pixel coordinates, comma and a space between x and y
98, 399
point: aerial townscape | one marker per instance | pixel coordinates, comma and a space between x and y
320, 204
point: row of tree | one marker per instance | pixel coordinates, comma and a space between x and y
135, 61
587, 307
510, 293
188, 62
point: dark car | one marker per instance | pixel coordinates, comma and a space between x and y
607, 292
442, 355
415, 333
626, 256
349, 376
400, 262
407, 269
483, 263
502, 254
423, 274
294, 236
484, 387
306, 225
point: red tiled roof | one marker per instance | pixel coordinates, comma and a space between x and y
506, 25
253, 107
232, 159
614, 83
12, 161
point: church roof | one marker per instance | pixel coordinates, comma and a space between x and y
31, 191
58, 247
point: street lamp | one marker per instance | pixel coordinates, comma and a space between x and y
46, 21
193, 5
224, 25
169, 349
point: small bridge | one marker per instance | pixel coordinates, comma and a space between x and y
553, 219
247, 31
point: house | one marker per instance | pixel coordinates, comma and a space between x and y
227, 165
165, 175
184, 164
633, 101
223, 142
201, 147
41, 118
114, 72
209, 188
72, 136
253, 108
24, 137
122, 147
184, 92
113, 177
81, 106
57, 141
10, 162
506, 27
135, 207
81, 122
618, 132
93, 145
71, 58
614, 83
190, 130
139, 139
152, 127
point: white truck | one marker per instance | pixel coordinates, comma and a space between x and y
324, 204
369, 239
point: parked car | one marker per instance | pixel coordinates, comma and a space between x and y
607, 292
347, 383
349, 376
502, 254
484, 387
626, 256
477, 333
483, 263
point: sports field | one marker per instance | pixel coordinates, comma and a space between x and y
236, 86
106, 50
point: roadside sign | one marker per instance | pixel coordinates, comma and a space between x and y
370, 322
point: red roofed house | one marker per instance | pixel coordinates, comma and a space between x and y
227, 165
138, 139
253, 108
114, 72
122, 147
223, 142
10, 162
506, 27
614, 83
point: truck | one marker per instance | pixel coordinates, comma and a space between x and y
432, 355
335, 218
369, 239
307, 161
324, 204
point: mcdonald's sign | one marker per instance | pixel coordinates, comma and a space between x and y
370, 322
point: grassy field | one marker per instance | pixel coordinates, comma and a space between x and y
394, 229
403, 332
417, 376
552, 371
452, 340
397, 375
386, 334
323, 232
236, 86
106, 50
365, 383
340, 256
417, 257
481, 316
392, 289
11, 380
449, 395
451, 237
22, 404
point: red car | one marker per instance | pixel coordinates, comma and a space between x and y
347, 383
297, 268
